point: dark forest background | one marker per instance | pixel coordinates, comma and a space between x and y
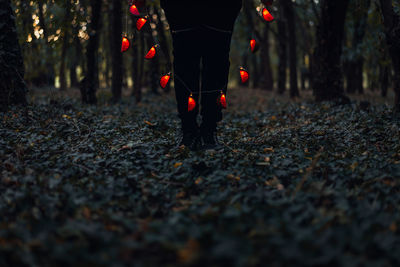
309, 175
329, 48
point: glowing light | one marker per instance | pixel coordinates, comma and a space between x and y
253, 45
222, 100
244, 75
152, 52
125, 44
164, 80
266, 15
191, 103
140, 23
134, 10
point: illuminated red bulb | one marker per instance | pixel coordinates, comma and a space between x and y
253, 45
134, 10
152, 52
140, 23
164, 80
191, 103
222, 100
244, 75
266, 15
125, 44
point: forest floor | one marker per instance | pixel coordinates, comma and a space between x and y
298, 184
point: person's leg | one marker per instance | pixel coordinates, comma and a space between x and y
215, 72
217, 35
187, 75
186, 66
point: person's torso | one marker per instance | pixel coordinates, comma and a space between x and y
216, 13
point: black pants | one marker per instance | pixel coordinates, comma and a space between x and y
201, 46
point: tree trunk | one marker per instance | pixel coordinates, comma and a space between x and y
137, 69
282, 51
255, 72
50, 72
304, 73
267, 79
164, 45
354, 68
141, 65
154, 63
327, 69
391, 22
117, 61
12, 86
65, 38
76, 61
89, 88
384, 79
290, 18
248, 9
163, 39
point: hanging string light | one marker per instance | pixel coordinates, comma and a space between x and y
244, 74
141, 22
152, 52
164, 80
222, 100
267, 15
253, 45
191, 103
125, 44
135, 5
134, 10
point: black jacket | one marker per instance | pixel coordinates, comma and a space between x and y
220, 14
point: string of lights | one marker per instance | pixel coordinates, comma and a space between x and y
143, 19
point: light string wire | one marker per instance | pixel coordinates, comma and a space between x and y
149, 17
155, 40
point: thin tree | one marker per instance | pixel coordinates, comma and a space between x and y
12, 86
250, 25
137, 61
65, 41
354, 66
50, 72
282, 50
391, 22
327, 69
89, 85
291, 26
117, 60
267, 80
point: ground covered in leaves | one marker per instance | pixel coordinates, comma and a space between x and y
298, 184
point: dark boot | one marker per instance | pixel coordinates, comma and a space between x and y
189, 136
209, 140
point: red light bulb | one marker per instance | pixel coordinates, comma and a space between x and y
151, 53
140, 23
244, 75
134, 10
164, 80
253, 45
125, 44
222, 100
266, 15
191, 103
